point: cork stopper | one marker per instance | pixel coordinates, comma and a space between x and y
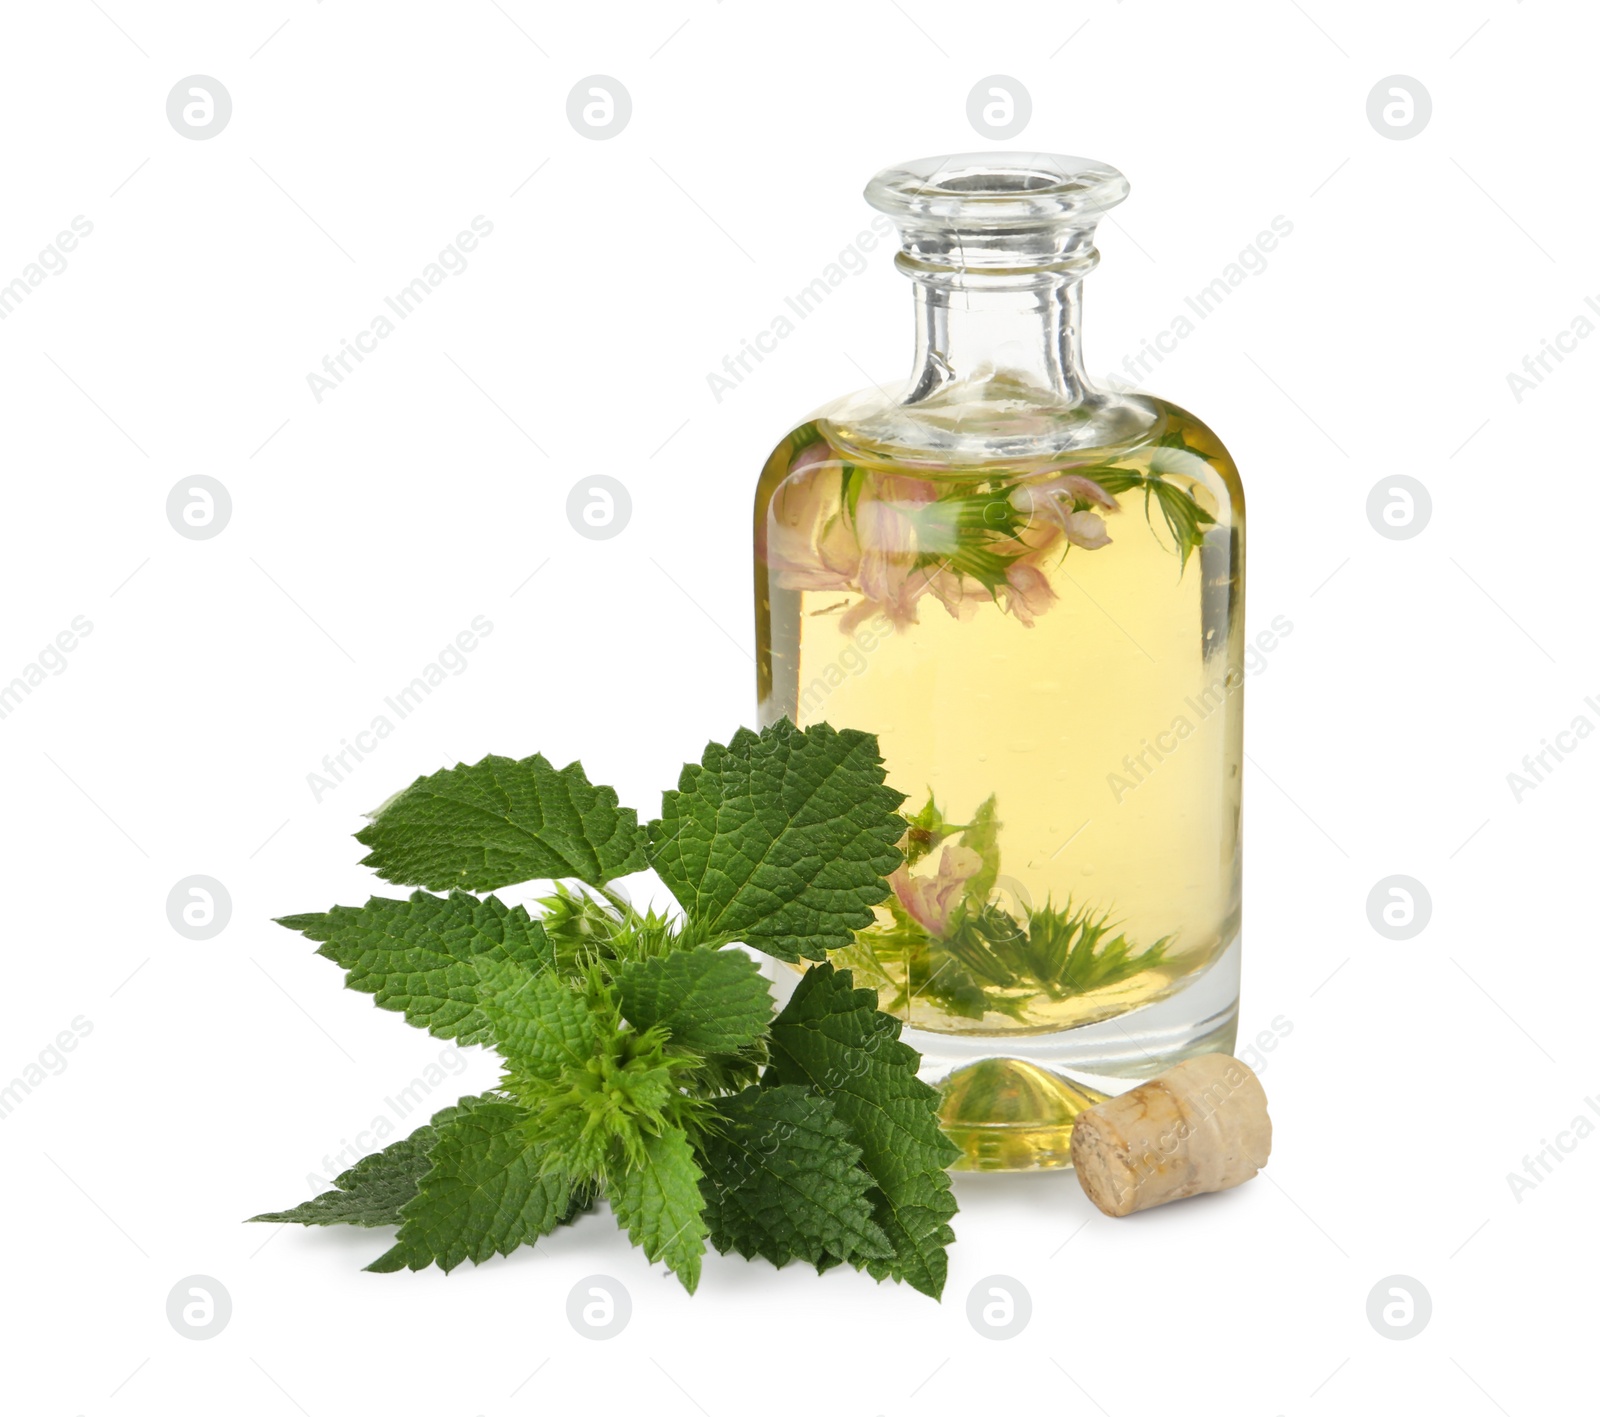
1202, 1126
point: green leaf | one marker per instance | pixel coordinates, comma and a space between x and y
483, 1194
1051, 933
1092, 966
579, 925
596, 1092
660, 1206
804, 436
983, 836
1184, 517
986, 514
936, 526
985, 566
502, 821
542, 1024
782, 1181
373, 1190
851, 480
1115, 480
832, 1038
925, 829
422, 957
1173, 438
981, 940
781, 840
711, 1000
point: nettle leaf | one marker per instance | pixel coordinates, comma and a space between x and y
541, 1022
831, 1037
422, 957
1115, 480
1185, 518
501, 821
1173, 438
782, 839
982, 835
660, 1205
714, 1001
625, 1055
373, 1191
926, 829
782, 1181
597, 1092
482, 1195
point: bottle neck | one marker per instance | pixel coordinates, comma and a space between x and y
998, 340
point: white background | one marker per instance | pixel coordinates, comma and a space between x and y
369, 528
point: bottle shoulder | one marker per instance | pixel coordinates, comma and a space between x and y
1141, 434
1181, 431
991, 422
838, 518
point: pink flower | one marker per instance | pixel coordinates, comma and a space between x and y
956, 593
1084, 529
1083, 489
890, 580
809, 456
932, 900
809, 544
1059, 507
838, 550
1028, 592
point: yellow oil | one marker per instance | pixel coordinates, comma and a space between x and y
1101, 711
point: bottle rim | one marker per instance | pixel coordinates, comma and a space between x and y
996, 191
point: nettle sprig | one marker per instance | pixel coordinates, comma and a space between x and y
643, 1062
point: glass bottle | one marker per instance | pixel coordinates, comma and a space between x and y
1031, 589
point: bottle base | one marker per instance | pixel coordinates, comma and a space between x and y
1010, 1103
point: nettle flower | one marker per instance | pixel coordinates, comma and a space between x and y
810, 543
1027, 591
1063, 507
957, 593
932, 900
892, 546
887, 529
596, 1090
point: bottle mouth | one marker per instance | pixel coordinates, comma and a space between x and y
997, 212
1003, 188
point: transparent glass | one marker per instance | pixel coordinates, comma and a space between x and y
1032, 591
